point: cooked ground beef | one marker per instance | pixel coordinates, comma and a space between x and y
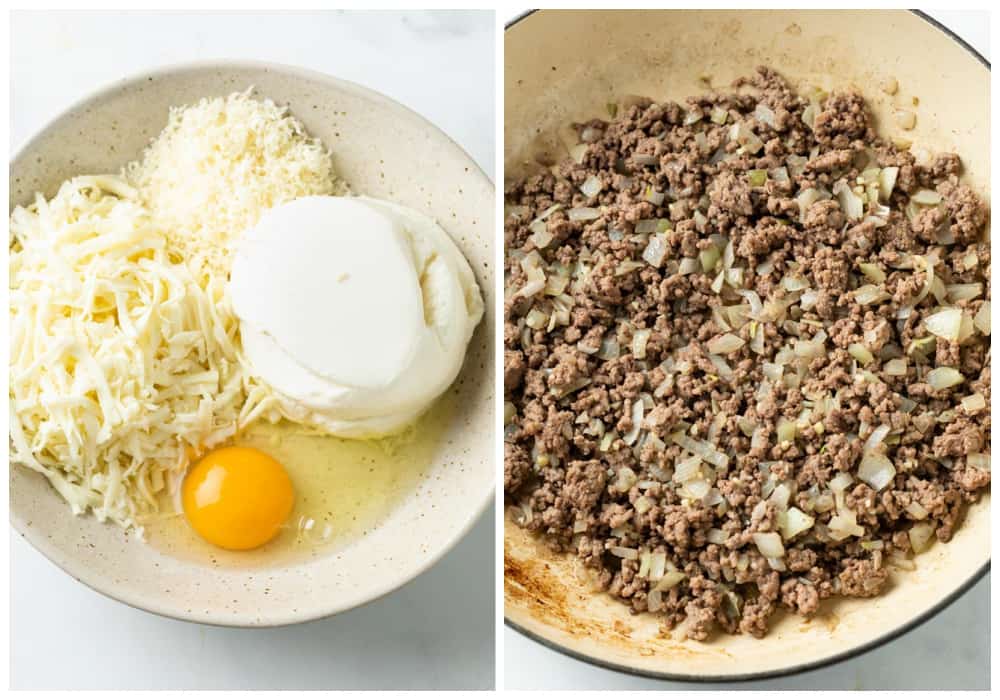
721, 322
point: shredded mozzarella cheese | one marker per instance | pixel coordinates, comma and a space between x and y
122, 365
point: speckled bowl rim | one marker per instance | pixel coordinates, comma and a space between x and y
800, 668
150, 603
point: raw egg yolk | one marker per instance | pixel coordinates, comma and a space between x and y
237, 497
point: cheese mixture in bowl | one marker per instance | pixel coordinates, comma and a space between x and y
153, 375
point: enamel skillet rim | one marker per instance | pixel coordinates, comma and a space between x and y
833, 659
148, 603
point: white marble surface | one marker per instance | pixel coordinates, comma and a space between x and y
437, 632
949, 652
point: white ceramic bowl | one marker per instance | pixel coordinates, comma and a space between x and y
381, 149
564, 66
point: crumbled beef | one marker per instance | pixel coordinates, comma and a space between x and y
967, 212
861, 578
516, 467
513, 369
844, 119
810, 293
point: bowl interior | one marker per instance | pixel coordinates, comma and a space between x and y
381, 149
564, 66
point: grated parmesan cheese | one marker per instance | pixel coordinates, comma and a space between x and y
122, 365
218, 165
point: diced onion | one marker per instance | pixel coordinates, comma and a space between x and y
742, 134
531, 264
703, 449
756, 307
979, 460
747, 426
687, 266
870, 294
687, 469
653, 197
795, 523
876, 470
777, 564
725, 344
772, 371
646, 225
509, 412
639, 340
780, 174
697, 489
779, 497
719, 280
946, 323
757, 341
721, 366
693, 116
944, 378
860, 353
921, 537
669, 580
606, 441
845, 524
656, 250
973, 402
895, 367
541, 237
982, 319
794, 284
583, 213
709, 257
548, 212
769, 544
657, 565
609, 349
556, 285
625, 552
592, 186
872, 272
850, 203
839, 483
628, 266
764, 114
806, 199
716, 536
637, 411
926, 197
916, 511
809, 115
886, 182
536, 319
960, 292
824, 503
787, 430
874, 441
